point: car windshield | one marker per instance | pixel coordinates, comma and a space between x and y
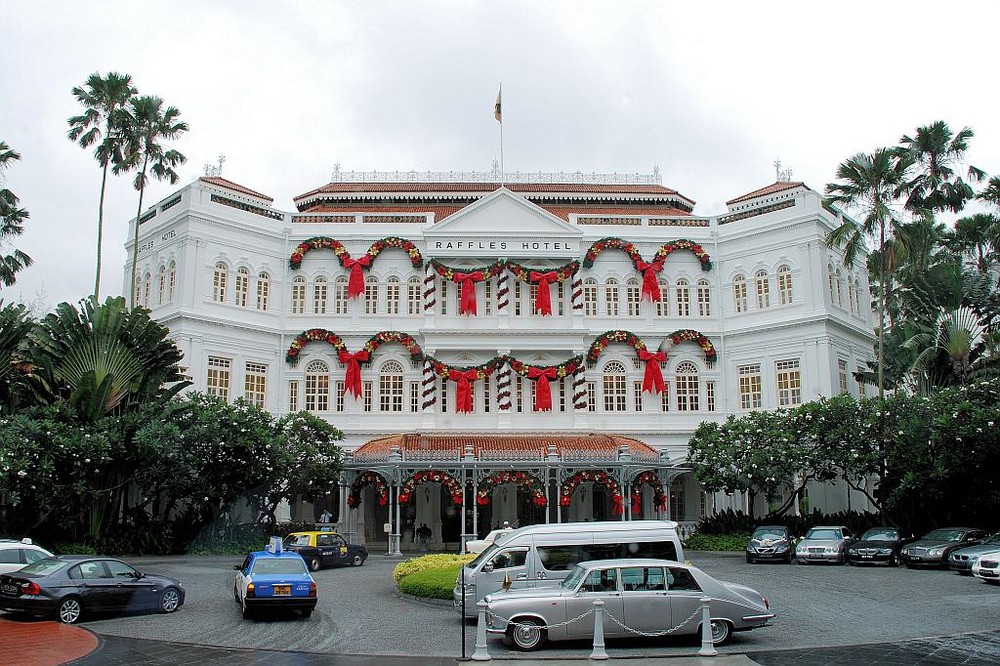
572, 581
880, 534
944, 535
993, 538
823, 534
483, 556
297, 540
43, 567
279, 565
769, 533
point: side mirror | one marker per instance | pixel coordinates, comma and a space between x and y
236, 567
488, 567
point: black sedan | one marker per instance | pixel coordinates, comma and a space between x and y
770, 543
879, 545
325, 549
69, 586
934, 548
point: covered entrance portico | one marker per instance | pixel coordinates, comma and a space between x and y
437, 491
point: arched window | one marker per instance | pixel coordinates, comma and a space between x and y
263, 290
219, 279
161, 285
683, 291
704, 298
171, 281
590, 297
340, 296
857, 296
740, 293
613, 381
299, 295
317, 387
413, 302
632, 294
611, 297
319, 295
833, 288
391, 387
147, 283
663, 305
371, 295
784, 285
686, 380
838, 283
763, 286
138, 289
242, 286
393, 292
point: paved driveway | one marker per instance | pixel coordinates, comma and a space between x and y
359, 611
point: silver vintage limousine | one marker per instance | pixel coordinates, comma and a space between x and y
639, 595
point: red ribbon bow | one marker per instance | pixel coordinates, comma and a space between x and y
650, 285
619, 506
543, 393
653, 380
467, 301
356, 285
463, 396
543, 301
352, 379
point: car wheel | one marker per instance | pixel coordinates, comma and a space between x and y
749, 559
358, 560
894, 560
246, 611
306, 614
236, 594
315, 563
721, 632
527, 634
70, 610
170, 600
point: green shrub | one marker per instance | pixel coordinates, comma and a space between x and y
431, 583
428, 562
727, 542
736, 522
72, 548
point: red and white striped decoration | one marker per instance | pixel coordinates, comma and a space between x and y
503, 388
429, 384
576, 297
579, 389
503, 293
430, 289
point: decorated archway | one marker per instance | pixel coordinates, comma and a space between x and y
524, 480
451, 485
368, 479
615, 336
598, 478
648, 478
313, 335
687, 334
684, 244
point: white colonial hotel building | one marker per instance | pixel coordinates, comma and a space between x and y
754, 311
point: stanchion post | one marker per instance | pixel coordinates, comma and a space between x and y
598, 653
707, 648
482, 653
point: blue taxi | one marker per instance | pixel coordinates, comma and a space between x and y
274, 579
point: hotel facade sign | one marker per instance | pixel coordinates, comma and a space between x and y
502, 247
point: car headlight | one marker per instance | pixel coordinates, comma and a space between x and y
885, 551
800, 549
853, 551
934, 552
781, 547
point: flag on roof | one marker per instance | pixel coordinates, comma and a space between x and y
496, 107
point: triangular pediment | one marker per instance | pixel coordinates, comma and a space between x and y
506, 223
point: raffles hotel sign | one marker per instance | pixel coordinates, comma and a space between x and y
502, 247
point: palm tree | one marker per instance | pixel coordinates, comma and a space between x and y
15, 323
102, 123
870, 184
11, 223
936, 153
958, 347
150, 123
976, 235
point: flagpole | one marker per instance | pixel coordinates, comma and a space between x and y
498, 114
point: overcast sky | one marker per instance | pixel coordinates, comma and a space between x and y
711, 93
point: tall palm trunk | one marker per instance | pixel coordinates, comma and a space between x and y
100, 234
881, 313
135, 236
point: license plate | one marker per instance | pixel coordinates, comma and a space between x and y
867, 557
10, 589
282, 590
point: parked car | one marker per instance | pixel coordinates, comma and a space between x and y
274, 579
987, 567
15, 554
824, 543
644, 595
934, 548
479, 545
325, 549
962, 559
879, 545
71, 586
771, 543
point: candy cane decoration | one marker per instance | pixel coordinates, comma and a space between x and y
579, 389
503, 388
577, 296
430, 289
503, 290
429, 382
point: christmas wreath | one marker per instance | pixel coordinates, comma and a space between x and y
686, 334
659, 497
317, 243
313, 335
464, 376
467, 278
612, 337
384, 337
450, 483
543, 299
599, 478
523, 479
401, 243
368, 479
542, 375
684, 244
610, 243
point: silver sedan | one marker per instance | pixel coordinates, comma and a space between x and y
641, 597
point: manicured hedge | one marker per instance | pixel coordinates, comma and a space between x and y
428, 562
726, 542
430, 584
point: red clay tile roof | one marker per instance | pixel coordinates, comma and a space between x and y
770, 189
443, 211
499, 447
485, 188
235, 187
